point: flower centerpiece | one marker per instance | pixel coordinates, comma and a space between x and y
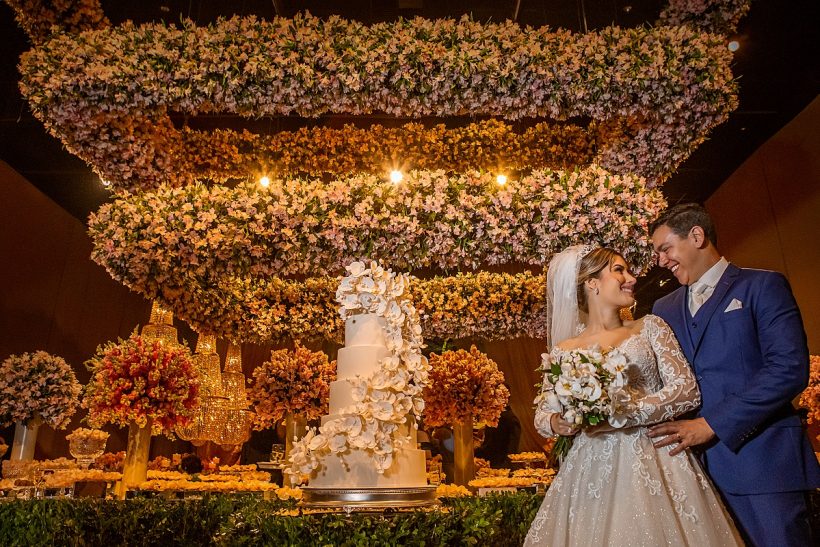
37, 385
134, 380
385, 399
293, 381
36, 388
586, 387
148, 386
465, 386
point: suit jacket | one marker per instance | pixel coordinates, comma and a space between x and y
750, 362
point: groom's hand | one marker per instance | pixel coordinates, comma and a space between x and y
683, 433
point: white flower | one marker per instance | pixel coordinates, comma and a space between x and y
356, 269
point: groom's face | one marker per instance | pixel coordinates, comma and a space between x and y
675, 253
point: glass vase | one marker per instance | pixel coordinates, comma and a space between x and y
135, 466
464, 460
295, 428
25, 439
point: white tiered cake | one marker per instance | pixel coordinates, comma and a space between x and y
364, 349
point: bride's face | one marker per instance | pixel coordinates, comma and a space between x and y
616, 285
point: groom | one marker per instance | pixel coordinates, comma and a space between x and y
742, 332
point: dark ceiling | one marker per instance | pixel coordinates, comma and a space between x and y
777, 66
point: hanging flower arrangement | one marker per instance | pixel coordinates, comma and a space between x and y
107, 94
293, 381
37, 385
136, 380
223, 155
715, 16
464, 385
311, 227
40, 18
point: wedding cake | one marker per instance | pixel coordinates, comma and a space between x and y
361, 357
364, 452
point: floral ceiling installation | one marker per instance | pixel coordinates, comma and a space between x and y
41, 18
490, 145
716, 16
492, 306
108, 94
309, 227
210, 253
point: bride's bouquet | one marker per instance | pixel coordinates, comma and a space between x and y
585, 386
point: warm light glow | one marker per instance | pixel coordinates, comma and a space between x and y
396, 176
501, 180
264, 181
734, 45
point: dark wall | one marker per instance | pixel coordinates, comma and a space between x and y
768, 212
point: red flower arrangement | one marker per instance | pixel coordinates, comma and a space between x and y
140, 380
296, 381
464, 384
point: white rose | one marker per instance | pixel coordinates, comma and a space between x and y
356, 268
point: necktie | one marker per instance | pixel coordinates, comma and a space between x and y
697, 297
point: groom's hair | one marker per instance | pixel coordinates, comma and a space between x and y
683, 217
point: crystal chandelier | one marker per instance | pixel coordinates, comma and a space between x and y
206, 422
234, 417
160, 326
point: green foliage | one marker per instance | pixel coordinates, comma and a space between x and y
498, 520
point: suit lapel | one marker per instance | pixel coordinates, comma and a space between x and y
678, 321
707, 311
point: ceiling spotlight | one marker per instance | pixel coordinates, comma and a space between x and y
264, 182
733, 46
501, 180
396, 176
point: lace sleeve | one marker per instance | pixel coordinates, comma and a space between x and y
680, 392
546, 404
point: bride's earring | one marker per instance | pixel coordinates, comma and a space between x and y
596, 290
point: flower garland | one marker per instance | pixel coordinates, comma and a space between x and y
810, 398
384, 400
37, 385
136, 380
464, 385
491, 306
39, 17
298, 227
222, 155
107, 94
293, 381
715, 16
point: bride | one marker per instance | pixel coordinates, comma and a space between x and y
614, 487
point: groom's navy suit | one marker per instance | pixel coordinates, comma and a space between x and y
748, 349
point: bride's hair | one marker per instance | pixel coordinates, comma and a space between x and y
591, 267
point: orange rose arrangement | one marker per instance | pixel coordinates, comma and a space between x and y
293, 381
463, 385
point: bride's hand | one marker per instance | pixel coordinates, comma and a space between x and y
562, 427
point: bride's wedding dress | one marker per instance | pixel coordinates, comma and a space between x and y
614, 487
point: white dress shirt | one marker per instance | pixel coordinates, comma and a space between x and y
702, 289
